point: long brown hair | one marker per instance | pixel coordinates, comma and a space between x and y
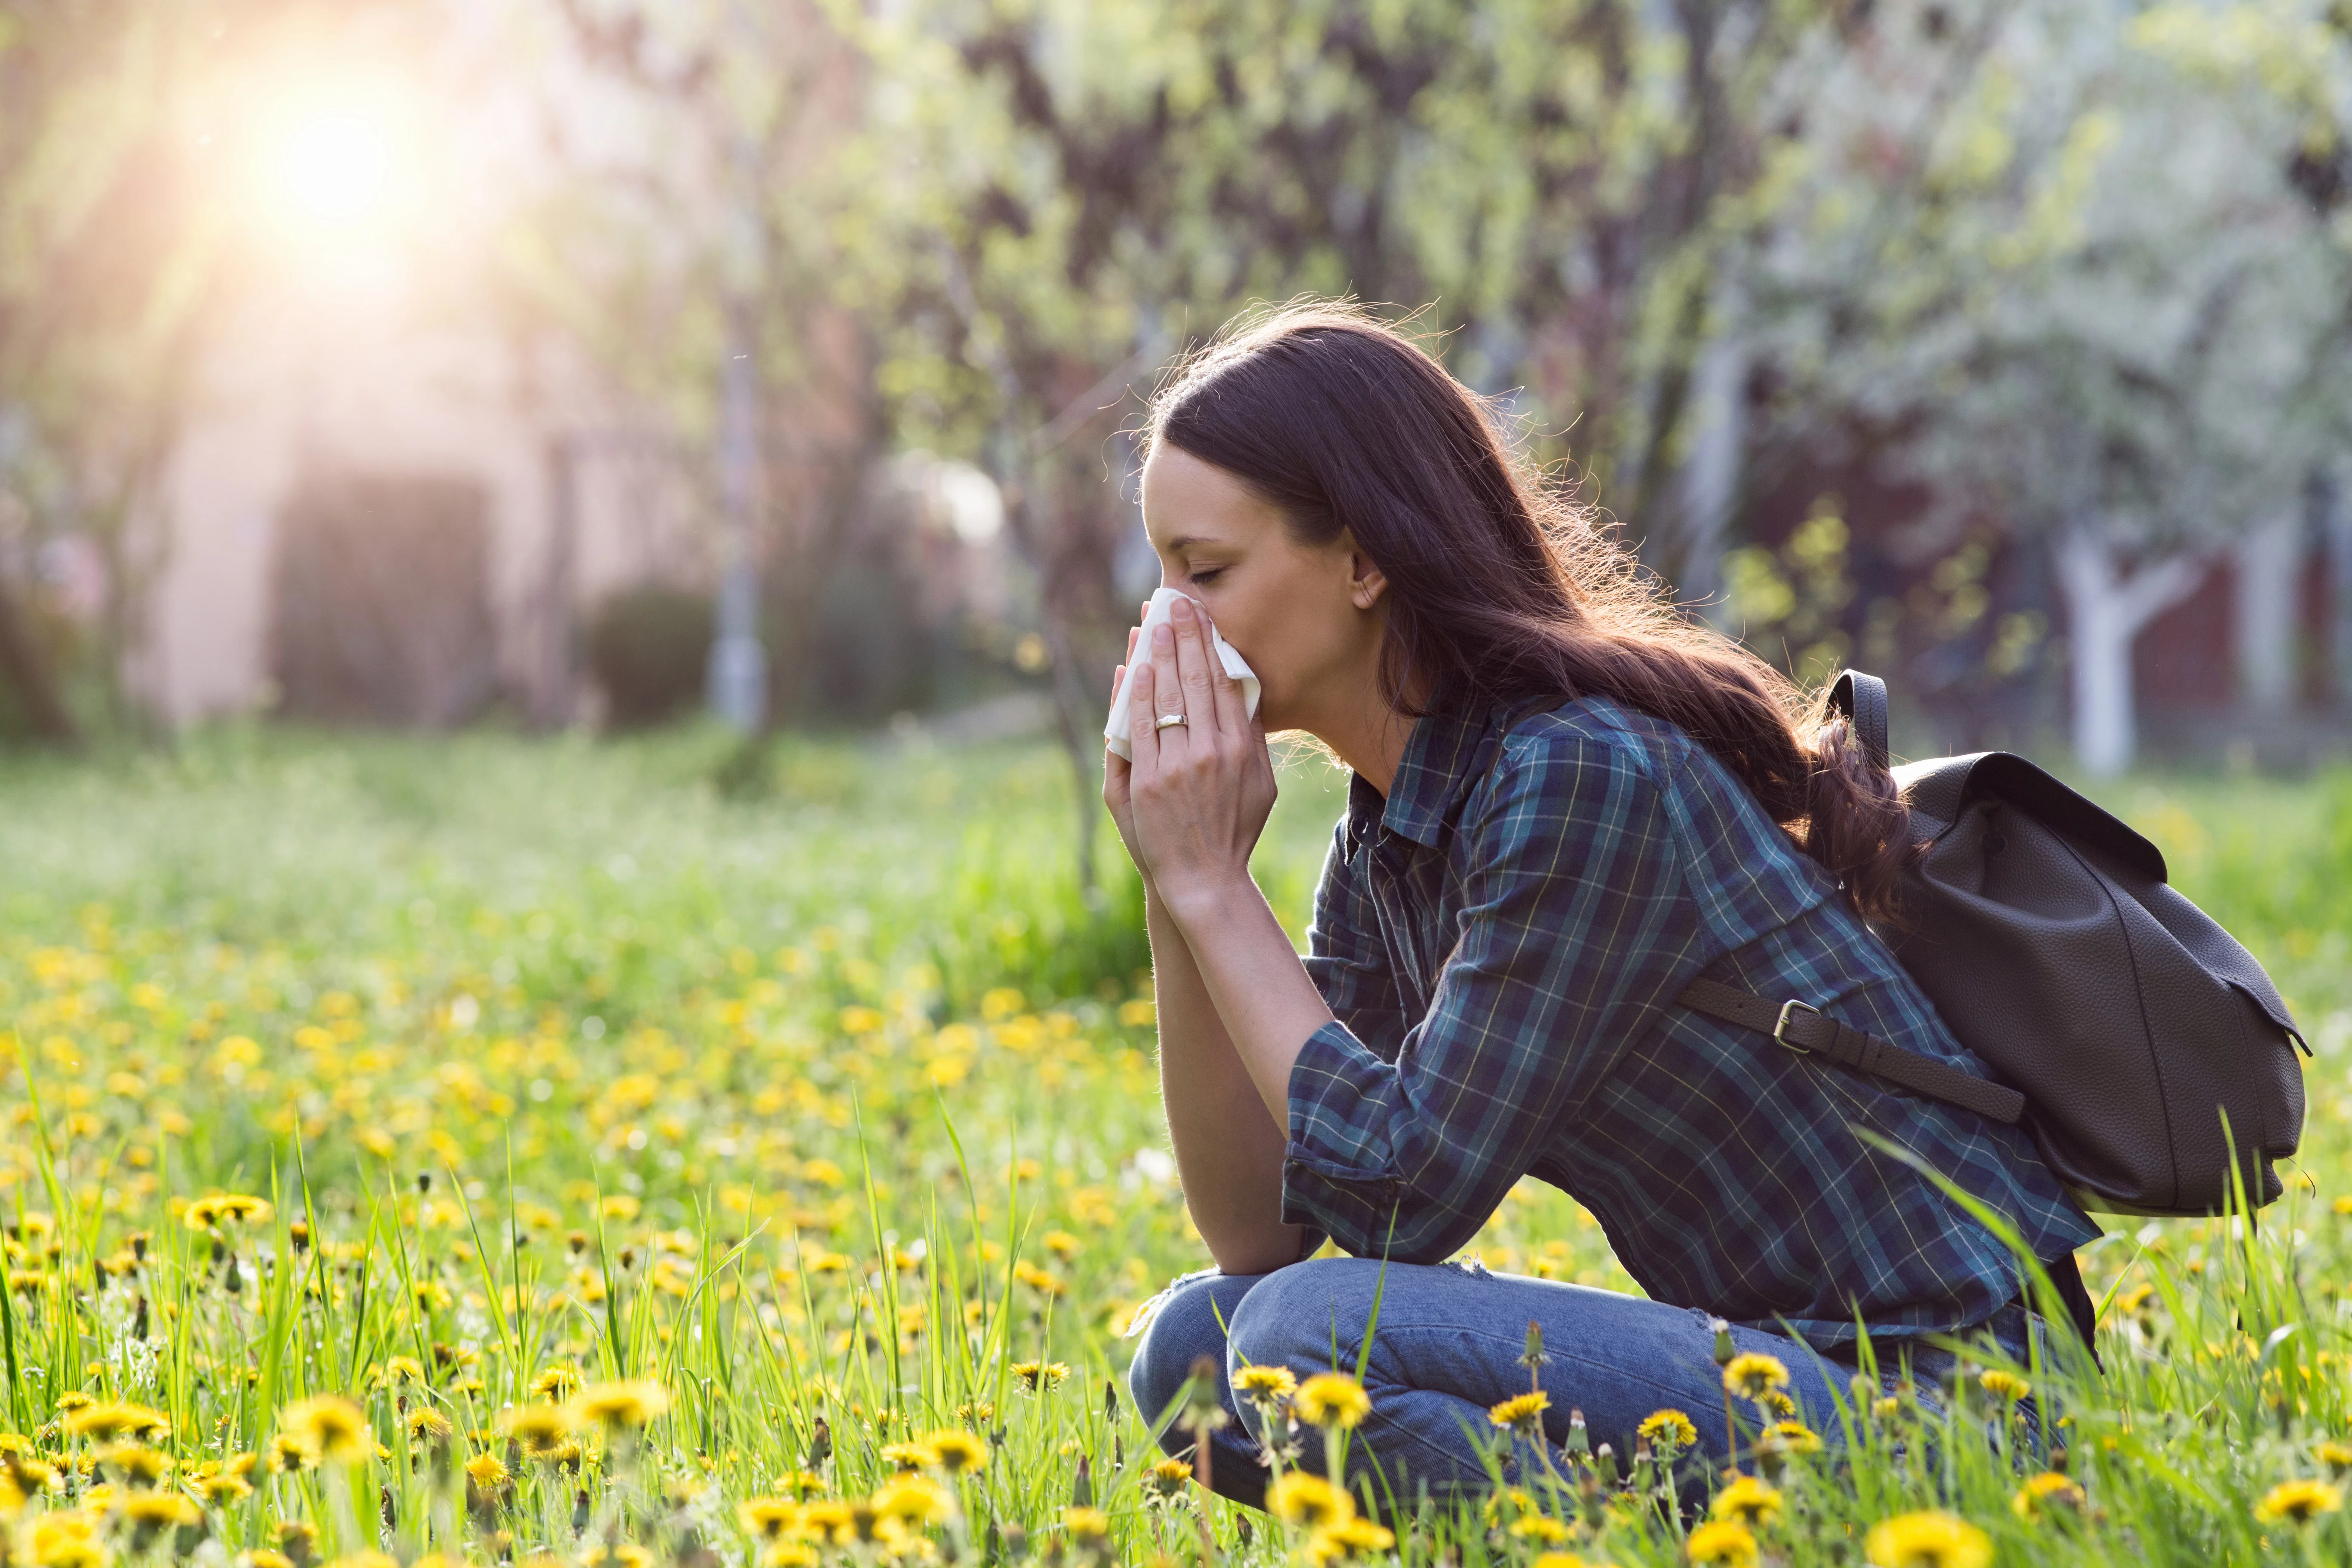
1494, 576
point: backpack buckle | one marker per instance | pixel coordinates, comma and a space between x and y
1779, 1029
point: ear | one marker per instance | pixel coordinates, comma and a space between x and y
1366, 580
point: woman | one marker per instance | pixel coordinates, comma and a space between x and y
1568, 801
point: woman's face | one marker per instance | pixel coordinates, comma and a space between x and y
1307, 616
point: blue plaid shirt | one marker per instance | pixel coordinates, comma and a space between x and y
1502, 940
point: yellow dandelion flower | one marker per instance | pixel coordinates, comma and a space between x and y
1265, 1386
68, 1539
769, 1518
2298, 1502
1722, 1543
914, 1500
1928, 1539
2004, 1384
1348, 1539
831, 1521
1522, 1412
148, 1512
1749, 1501
2047, 1490
267, 1557
540, 1428
1668, 1429
1167, 1479
620, 1407
1088, 1524
1789, 1438
105, 1422
223, 1486
1038, 1376
288, 1455
426, 1425
2336, 1456
487, 1471
555, 1382
1543, 1530
910, 1456
1332, 1399
1306, 1501
956, 1452
790, 1554
1752, 1374
330, 1428
1559, 1559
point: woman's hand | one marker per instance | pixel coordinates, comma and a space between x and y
1196, 795
1118, 772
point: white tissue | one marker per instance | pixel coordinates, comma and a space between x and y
1115, 732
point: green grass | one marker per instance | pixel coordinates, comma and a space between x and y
827, 1096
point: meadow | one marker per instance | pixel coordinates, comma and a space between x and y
487, 1150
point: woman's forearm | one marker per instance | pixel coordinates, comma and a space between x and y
1256, 985
1228, 1149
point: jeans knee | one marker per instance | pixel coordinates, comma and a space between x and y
1182, 1328
1298, 1315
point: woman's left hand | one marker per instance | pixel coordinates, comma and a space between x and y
1200, 791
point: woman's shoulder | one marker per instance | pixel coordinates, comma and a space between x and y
1595, 756
1588, 731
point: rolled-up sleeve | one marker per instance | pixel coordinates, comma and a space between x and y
1573, 927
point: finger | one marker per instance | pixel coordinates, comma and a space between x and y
1167, 685
1232, 710
1141, 736
1193, 662
1118, 674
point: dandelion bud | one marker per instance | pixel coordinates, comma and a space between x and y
423, 1181
1533, 1356
299, 1231
1604, 1464
1203, 1411
1082, 1490
1110, 1399
1724, 1350
820, 1447
1579, 1443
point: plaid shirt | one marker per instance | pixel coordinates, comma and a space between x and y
1502, 940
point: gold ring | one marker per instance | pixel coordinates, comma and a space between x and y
1169, 720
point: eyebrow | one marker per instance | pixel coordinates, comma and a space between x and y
1185, 542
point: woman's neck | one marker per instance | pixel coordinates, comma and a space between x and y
1369, 733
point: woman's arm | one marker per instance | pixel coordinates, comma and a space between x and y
1228, 1150
1198, 796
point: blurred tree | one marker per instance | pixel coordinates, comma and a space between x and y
104, 260
1056, 195
697, 258
2074, 272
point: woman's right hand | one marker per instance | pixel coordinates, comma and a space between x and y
1118, 769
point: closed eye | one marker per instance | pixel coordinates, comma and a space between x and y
1211, 575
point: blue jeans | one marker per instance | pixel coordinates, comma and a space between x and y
1446, 1346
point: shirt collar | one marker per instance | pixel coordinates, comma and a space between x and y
1441, 759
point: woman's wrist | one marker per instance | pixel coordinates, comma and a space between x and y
1193, 900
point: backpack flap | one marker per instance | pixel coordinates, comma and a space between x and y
2044, 930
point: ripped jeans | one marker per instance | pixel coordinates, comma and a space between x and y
1447, 1346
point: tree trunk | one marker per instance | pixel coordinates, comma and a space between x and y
2267, 556
25, 669
2105, 610
1710, 476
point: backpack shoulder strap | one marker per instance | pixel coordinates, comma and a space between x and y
1807, 1030
1863, 700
